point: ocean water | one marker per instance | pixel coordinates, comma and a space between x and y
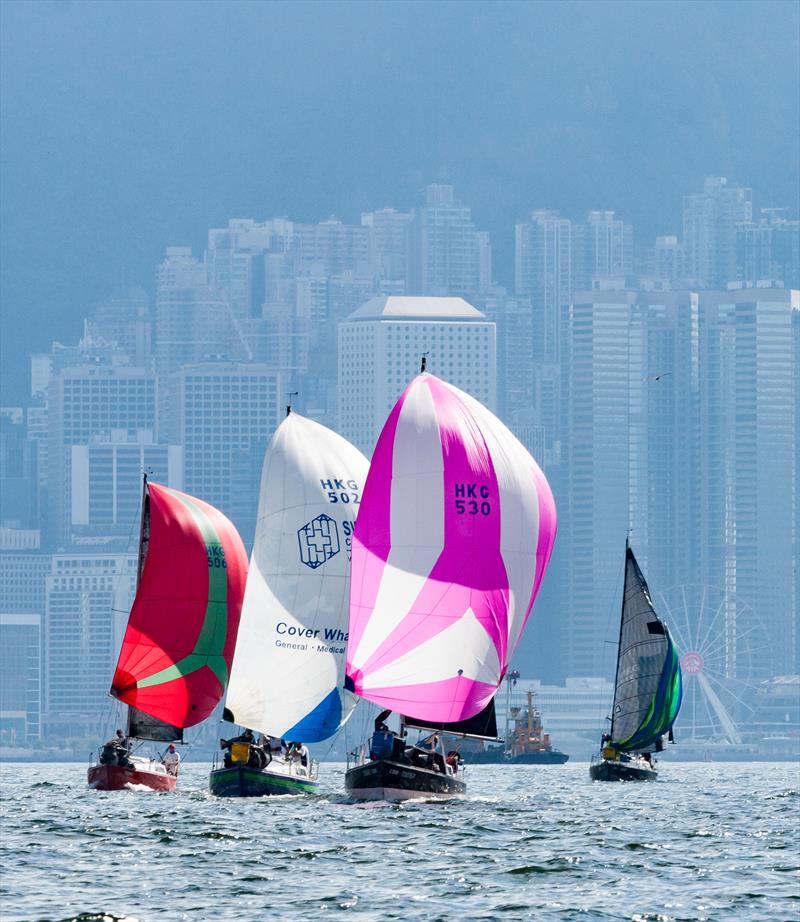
709, 841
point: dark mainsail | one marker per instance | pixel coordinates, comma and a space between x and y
482, 725
648, 688
144, 727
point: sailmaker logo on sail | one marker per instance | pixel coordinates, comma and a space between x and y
319, 541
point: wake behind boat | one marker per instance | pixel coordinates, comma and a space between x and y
178, 644
647, 688
455, 530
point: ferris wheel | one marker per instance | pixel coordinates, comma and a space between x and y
725, 653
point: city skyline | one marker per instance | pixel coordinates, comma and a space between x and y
103, 169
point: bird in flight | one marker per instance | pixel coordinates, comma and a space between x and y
657, 377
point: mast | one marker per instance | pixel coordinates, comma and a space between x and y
619, 640
139, 568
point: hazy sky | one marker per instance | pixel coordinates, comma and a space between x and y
127, 127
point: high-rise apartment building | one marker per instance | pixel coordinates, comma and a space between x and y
602, 249
104, 485
710, 220
20, 677
123, 320
748, 470
224, 413
85, 402
769, 250
389, 242
543, 272
446, 251
630, 455
380, 347
87, 600
193, 320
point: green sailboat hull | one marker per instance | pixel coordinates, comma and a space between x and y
243, 781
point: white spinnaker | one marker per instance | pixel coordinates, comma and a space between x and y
288, 669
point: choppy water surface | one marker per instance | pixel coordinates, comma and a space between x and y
704, 842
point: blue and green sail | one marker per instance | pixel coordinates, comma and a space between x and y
648, 688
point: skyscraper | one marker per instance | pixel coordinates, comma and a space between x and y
446, 251
85, 401
224, 413
631, 455
87, 599
769, 250
748, 470
543, 271
380, 347
710, 219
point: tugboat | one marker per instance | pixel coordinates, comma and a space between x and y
287, 678
526, 744
178, 645
455, 531
647, 688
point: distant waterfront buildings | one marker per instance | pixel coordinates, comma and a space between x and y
658, 400
87, 597
380, 348
20, 677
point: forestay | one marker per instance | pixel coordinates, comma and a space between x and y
451, 544
178, 646
288, 670
648, 689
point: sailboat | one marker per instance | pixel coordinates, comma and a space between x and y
647, 688
455, 531
287, 679
176, 653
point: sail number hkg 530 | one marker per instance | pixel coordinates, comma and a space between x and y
471, 499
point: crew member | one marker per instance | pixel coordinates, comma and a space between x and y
172, 760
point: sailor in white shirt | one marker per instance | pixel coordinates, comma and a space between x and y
172, 760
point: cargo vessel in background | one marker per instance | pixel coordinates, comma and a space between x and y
526, 743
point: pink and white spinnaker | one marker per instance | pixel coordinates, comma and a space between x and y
455, 530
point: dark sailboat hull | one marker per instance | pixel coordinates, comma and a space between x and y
608, 770
395, 781
243, 781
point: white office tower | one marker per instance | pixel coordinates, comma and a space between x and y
380, 347
710, 220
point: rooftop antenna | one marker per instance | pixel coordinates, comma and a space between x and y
289, 404
424, 363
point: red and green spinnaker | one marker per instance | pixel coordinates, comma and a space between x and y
178, 647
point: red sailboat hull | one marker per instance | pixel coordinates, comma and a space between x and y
117, 778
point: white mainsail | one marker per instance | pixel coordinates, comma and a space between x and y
288, 669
